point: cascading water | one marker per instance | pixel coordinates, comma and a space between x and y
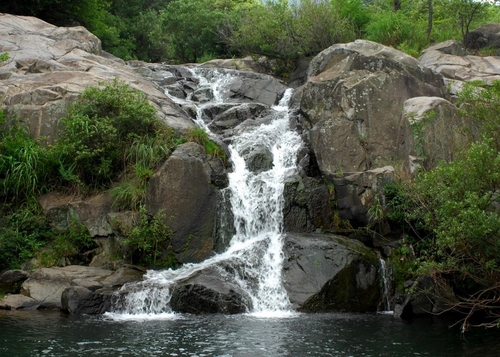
255, 252
385, 286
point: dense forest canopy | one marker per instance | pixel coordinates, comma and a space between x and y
197, 30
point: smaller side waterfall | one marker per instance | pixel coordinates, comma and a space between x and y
384, 273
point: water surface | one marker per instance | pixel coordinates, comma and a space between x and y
50, 333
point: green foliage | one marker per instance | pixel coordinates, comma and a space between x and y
4, 57
200, 136
23, 232
480, 104
22, 161
98, 131
149, 239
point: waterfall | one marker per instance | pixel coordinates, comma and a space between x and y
385, 285
255, 253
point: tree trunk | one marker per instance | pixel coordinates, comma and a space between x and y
430, 18
397, 5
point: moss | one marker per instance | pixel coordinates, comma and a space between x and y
343, 293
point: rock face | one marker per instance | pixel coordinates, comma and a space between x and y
352, 103
49, 67
209, 293
330, 273
358, 191
432, 131
181, 189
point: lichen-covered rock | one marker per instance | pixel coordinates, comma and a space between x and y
352, 103
182, 190
206, 293
431, 131
316, 262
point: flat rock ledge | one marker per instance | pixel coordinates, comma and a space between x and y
73, 289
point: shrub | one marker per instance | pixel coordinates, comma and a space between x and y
200, 136
98, 130
149, 240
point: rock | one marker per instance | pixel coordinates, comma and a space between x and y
352, 102
77, 300
356, 192
123, 275
488, 35
422, 301
307, 205
11, 280
49, 68
18, 302
254, 87
181, 189
241, 64
231, 117
258, 158
208, 293
432, 131
316, 263
46, 285
456, 65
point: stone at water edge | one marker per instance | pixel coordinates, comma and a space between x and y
18, 302
11, 280
207, 292
313, 262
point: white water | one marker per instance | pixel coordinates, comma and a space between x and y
255, 252
385, 282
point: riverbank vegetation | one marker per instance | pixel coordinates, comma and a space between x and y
180, 31
451, 215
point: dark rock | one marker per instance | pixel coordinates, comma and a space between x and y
258, 158
11, 280
235, 115
307, 205
255, 87
181, 189
208, 293
488, 35
357, 191
77, 300
311, 267
421, 300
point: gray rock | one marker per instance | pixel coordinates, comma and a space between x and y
307, 205
46, 285
77, 300
181, 189
356, 192
353, 101
11, 280
315, 262
208, 293
18, 302
488, 35
431, 131
254, 87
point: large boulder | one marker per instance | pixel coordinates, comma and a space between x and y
352, 103
488, 35
182, 190
315, 263
207, 292
18, 302
49, 67
76, 300
431, 131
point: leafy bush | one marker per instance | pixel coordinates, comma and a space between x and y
23, 163
99, 129
149, 240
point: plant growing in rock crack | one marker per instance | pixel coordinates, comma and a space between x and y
200, 136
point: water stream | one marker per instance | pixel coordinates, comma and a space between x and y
255, 253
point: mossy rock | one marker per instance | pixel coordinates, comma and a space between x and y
356, 288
